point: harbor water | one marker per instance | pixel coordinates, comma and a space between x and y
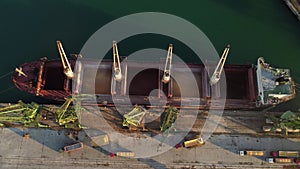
264, 28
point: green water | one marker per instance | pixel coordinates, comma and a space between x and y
28, 31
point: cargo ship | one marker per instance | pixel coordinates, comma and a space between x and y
158, 84
294, 6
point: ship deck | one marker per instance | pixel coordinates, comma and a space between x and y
142, 84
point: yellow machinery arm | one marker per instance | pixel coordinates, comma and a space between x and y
66, 65
218, 71
68, 114
169, 118
32, 114
62, 110
168, 65
19, 113
117, 65
134, 117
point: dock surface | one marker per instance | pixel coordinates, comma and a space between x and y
234, 133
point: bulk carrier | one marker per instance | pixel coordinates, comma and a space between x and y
247, 86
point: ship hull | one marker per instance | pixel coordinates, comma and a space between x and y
46, 79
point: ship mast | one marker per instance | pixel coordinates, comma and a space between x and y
167, 70
66, 65
218, 71
117, 65
20, 72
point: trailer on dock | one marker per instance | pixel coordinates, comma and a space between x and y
252, 153
73, 147
285, 153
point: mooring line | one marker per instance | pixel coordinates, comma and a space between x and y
6, 74
5, 90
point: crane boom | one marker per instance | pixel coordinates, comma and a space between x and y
117, 65
66, 65
218, 71
168, 65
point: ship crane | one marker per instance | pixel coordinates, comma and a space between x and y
66, 64
116, 65
218, 71
167, 70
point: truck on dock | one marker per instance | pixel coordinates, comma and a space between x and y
252, 153
285, 153
194, 143
280, 160
125, 154
73, 147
